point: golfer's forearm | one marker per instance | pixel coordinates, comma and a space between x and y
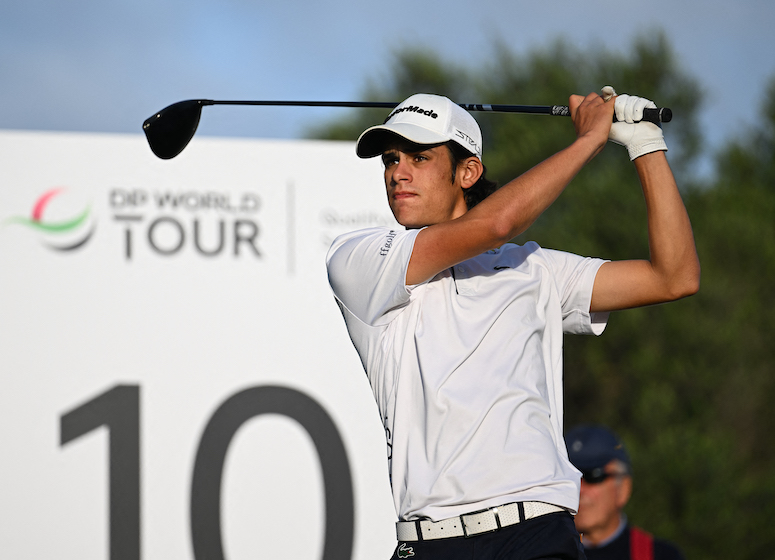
673, 254
516, 205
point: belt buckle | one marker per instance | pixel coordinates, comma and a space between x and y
494, 511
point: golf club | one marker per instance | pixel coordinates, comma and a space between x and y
170, 130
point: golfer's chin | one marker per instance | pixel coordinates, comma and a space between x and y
410, 220
409, 224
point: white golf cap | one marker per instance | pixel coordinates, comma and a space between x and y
423, 119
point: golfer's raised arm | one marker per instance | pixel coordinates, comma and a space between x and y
673, 268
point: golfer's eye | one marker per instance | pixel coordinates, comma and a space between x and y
389, 159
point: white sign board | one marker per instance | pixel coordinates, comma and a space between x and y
177, 381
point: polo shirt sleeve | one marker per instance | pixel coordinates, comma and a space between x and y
575, 277
367, 272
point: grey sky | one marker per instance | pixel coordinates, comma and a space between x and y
105, 66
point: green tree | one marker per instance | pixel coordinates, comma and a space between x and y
729, 350
688, 385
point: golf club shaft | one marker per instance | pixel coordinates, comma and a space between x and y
657, 115
538, 109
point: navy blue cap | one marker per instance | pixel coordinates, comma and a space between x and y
593, 446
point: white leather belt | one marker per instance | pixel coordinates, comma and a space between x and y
471, 524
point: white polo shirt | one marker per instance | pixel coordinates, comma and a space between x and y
467, 368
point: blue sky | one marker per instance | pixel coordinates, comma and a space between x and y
104, 66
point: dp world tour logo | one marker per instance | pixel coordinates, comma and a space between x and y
66, 234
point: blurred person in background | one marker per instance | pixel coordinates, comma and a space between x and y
606, 486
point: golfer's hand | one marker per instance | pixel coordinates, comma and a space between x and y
638, 137
592, 117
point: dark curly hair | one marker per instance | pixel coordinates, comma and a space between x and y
482, 188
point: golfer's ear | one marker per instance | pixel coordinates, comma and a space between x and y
472, 170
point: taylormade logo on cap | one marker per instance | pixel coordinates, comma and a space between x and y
423, 119
414, 109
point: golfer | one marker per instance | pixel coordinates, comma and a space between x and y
460, 332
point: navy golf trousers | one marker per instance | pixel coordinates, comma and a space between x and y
549, 537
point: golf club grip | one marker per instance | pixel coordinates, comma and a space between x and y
654, 115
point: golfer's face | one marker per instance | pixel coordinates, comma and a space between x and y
419, 186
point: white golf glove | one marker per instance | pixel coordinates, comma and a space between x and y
638, 137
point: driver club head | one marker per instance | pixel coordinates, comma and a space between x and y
170, 130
